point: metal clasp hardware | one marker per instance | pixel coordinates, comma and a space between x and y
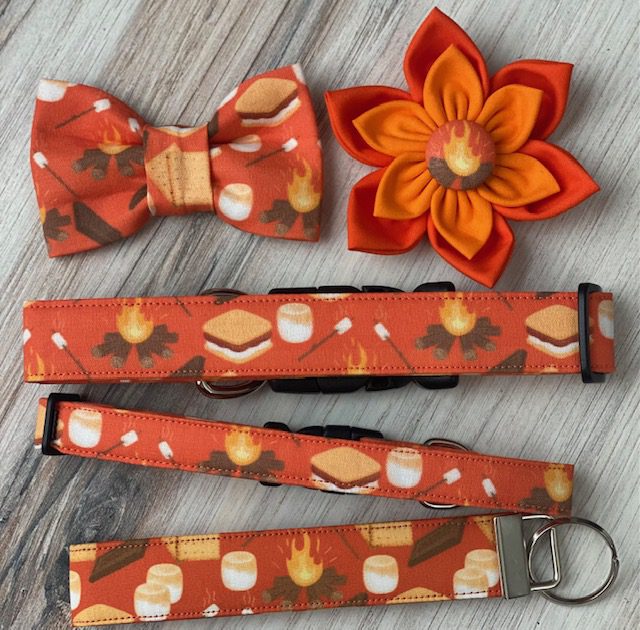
515, 557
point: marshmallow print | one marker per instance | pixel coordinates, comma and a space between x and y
236, 201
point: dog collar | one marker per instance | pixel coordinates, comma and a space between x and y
335, 458
320, 339
183, 577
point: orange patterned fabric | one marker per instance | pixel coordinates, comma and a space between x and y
385, 468
460, 153
219, 575
296, 335
100, 172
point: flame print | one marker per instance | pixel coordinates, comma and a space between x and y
133, 325
303, 569
112, 142
33, 372
456, 318
303, 201
241, 448
300, 192
557, 483
357, 361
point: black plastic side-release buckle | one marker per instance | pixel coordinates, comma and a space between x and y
585, 289
51, 421
334, 431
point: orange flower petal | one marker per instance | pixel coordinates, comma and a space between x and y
552, 77
518, 179
345, 105
489, 263
509, 115
405, 189
452, 89
379, 236
463, 218
574, 182
433, 37
395, 127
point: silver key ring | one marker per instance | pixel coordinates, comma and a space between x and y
613, 571
226, 389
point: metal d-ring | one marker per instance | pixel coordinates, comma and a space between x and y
228, 388
444, 443
613, 571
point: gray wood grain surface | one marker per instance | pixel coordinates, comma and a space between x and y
173, 62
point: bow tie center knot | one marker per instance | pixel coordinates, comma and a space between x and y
178, 169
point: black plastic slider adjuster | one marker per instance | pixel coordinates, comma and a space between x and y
51, 421
341, 432
585, 289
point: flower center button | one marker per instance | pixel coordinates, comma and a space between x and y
460, 155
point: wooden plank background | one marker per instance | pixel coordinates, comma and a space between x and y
173, 62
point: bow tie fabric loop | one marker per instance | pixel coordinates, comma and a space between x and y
101, 172
178, 169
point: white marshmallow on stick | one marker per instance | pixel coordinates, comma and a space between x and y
287, 147
166, 450
41, 161
451, 476
340, 328
383, 333
129, 438
101, 105
489, 487
134, 125
61, 343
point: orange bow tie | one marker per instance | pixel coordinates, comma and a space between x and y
100, 171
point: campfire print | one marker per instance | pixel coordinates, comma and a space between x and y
135, 330
303, 201
111, 148
557, 491
244, 455
457, 322
306, 576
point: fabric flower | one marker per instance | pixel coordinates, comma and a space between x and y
459, 153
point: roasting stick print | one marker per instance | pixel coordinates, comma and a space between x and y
288, 146
451, 476
129, 438
384, 334
41, 160
101, 105
339, 329
61, 344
